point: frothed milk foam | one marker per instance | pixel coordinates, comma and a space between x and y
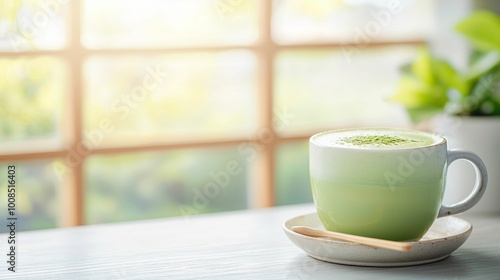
365, 177
377, 138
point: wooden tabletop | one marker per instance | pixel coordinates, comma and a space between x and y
236, 245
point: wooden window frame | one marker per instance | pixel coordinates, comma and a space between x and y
265, 49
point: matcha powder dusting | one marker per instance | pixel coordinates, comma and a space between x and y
378, 140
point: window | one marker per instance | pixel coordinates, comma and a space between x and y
122, 110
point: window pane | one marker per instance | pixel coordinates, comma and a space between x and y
163, 184
37, 191
163, 23
292, 174
325, 89
33, 25
351, 21
31, 97
170, 97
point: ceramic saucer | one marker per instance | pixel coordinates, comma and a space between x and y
445, 236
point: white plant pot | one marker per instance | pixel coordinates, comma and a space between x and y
480, 135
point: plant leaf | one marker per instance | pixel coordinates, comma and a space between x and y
412, 93
482, 28
484, 92
450, 78
422, 66
482, 65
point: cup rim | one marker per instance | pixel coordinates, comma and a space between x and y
443, 140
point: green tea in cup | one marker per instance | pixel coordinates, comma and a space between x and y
385, 183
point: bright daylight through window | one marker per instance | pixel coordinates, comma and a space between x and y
121, 110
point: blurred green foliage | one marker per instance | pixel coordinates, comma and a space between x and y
292, 174
192, 95
482, 29
164, 184
32, 91
31, 97
37, 195
430, 85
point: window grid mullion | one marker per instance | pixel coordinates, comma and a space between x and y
72, 189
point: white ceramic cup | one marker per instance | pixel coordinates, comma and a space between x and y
389, 192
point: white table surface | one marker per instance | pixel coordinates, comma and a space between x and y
235, 245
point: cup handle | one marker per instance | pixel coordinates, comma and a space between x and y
479, 187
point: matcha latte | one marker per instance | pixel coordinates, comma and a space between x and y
383, 183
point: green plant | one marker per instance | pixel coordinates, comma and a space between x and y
430, 85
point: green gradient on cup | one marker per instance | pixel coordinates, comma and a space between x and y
390, 191
375, 210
